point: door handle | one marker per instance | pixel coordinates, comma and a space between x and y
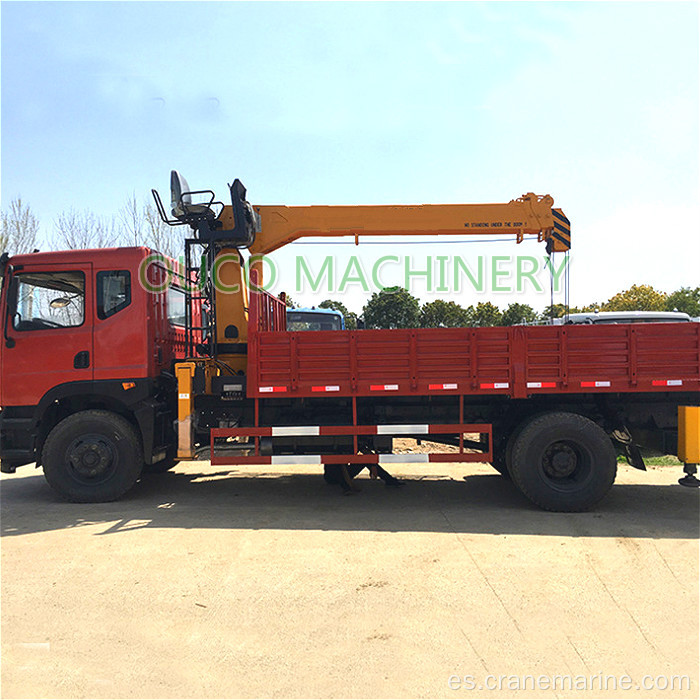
81, 360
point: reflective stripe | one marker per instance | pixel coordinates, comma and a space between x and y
184, 397
295, 430
400, 459
401, 429
541, 385
325, 388
495, 385
594, 384
384, 387
295, 459
434, 387
667, 382
272, 389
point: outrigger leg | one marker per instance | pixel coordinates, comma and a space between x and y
690, 479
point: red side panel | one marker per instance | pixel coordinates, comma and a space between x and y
517, 361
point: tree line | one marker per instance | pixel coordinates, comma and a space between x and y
398, 308
138, 223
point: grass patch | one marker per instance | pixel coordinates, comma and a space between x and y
662, 461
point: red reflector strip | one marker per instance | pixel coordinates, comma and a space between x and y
325, 388
438, 387
667, 382
383, 387
592, 385
272, 389
541, 385
495, 385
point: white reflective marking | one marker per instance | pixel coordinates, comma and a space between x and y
296, 459
500, 385
401, 429
295, 430
534, 385
402, 459
449, 386
674, 382
184, 397
265, 389
332, 388
602, 383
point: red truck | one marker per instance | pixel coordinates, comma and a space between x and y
104, 375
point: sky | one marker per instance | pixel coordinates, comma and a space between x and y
373, 103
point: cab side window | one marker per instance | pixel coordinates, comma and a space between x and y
176, 306
113, 292
46, 300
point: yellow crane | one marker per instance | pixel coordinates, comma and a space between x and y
262, 229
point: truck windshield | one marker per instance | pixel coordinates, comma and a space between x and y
49, 300
312, 321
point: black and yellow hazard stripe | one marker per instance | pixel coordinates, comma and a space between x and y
561, 234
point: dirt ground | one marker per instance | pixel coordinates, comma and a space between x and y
219, 582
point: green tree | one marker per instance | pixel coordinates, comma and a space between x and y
555, 311
393, 307
447, 314
684, 299
518, 313
350, 316
641, 297
19, 228
487, 314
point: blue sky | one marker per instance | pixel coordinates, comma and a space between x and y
351, 103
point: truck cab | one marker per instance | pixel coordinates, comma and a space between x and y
88, 331
315, 319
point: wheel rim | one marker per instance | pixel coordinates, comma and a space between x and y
91, 459
566, 465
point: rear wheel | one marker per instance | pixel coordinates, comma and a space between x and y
563, 462
92, 456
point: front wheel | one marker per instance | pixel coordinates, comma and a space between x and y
92, 457
563, 462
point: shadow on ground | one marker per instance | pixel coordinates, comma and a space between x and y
485, 504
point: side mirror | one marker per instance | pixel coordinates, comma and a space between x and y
60, 302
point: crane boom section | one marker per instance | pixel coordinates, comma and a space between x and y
529, 215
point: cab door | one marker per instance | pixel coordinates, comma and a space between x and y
48, 338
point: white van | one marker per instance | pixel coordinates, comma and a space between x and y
598, 317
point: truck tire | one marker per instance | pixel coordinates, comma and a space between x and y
563, 462
92, 457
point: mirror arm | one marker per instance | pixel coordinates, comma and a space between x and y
11, 286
